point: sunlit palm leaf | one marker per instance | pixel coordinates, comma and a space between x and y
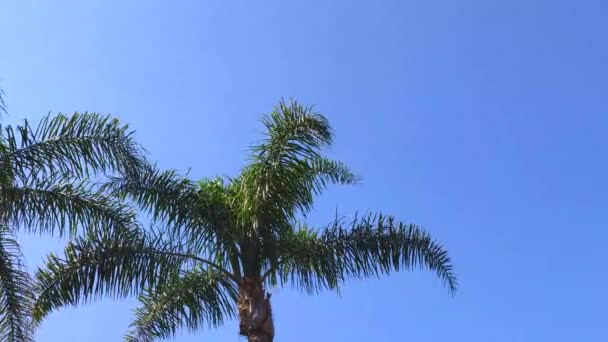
293, 132
287, 169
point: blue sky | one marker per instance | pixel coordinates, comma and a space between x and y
484, 121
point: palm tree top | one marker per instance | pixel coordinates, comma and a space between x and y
213, 240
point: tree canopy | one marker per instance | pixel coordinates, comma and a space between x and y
210, 239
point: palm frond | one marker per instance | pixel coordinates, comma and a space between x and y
15, 291
56, 204
293, 132
287, 169
198, 298
166, 195
282, 193
109, 264
212, 231
74, 145
196, 211
288, 191
372, 246
307, 179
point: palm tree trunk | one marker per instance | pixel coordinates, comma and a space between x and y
255, 313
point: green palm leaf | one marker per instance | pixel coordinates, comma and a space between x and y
192, 209
198, 298
41, 190
59, 205
164, 194
15, 292
293, 132
110, 263
75, 145
372, 246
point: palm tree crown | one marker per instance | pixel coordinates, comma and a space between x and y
41, 191
217, 244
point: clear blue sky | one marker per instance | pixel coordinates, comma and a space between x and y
484, 121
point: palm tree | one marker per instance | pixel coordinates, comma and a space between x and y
42, 190
218, 245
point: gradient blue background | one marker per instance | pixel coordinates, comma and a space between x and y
484, 121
